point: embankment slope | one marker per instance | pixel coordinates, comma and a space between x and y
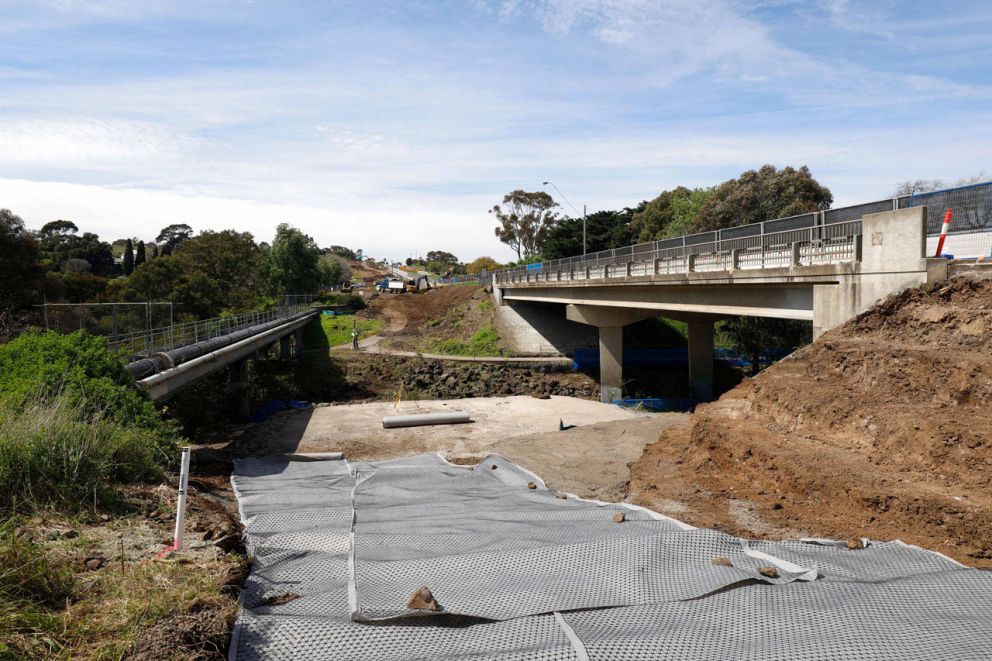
882, 429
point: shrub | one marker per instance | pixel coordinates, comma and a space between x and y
483, 343
79, 367
351, 301
72, 422
56, 452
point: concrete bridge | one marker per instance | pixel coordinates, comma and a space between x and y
823, 267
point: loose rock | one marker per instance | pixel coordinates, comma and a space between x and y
423, 599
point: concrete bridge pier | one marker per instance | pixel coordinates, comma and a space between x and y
610, 322
238, 375
298, 342
700, 358
284, 348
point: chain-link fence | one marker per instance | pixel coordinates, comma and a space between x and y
141, 329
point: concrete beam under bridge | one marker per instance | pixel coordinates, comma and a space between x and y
610, 322
780, 301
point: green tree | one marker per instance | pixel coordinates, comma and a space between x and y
342, 251
139, 258
60, 242
128, 258
83, 287
173, 236
153, 281
763, 194
293, 262
483, 263
230, 259
441, 257
332, 270
755, 336
525, 218
196, 294
20, 273
154, 250
604, 230
656, 219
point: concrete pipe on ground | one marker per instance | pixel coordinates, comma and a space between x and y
422, 419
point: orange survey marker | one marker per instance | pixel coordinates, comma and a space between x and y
943, 232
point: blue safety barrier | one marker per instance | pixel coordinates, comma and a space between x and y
274, 406
658, 404
584, 359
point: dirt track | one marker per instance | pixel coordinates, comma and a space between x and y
880, 429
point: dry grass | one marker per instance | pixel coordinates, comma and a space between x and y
52, 606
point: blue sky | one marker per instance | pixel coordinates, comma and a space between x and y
394, 126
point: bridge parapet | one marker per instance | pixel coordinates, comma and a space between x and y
832, 236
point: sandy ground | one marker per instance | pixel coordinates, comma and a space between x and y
589, 459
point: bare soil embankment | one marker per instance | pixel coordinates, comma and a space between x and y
882, 428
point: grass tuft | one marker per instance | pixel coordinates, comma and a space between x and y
54, 452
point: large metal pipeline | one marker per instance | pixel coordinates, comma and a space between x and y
158, 362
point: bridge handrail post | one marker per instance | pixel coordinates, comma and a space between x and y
796, 253
690, 265
735, 259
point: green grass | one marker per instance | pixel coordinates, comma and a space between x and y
54, 452
73, 424
485, 342
337, 330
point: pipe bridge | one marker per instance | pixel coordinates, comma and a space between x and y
227, 342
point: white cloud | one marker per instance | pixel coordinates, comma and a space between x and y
75, 142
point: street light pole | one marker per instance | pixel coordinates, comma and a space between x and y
552, 184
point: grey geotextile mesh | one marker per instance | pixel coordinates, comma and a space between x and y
519, 572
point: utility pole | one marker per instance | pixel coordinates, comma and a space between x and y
552, 184
583, 230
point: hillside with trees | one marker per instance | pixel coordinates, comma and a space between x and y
204, 275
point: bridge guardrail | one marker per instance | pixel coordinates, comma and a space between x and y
814, 238
169, 338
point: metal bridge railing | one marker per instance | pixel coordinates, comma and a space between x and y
168, 338
814, 238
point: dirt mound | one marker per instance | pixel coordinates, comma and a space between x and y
880, 429
368, 272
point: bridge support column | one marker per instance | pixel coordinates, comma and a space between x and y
610, 322
299, 343
284, 348
701, 360
610, 363
239, 388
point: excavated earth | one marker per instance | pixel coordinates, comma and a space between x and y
880, 429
